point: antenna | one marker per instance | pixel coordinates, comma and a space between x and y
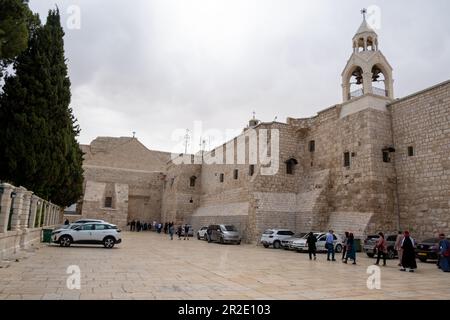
186, 141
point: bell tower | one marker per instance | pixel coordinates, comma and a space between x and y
367, 71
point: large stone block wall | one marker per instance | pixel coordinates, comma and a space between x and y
423, 122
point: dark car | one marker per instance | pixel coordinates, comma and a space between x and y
428, 249
371, 240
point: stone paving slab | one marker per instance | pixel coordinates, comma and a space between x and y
150, 266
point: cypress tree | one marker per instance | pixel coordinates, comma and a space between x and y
38, 147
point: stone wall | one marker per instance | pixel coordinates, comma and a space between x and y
22, 217
422, 121
129, 173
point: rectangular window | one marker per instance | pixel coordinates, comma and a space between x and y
410, 151
386, 156
221, 177
235, 174
346, 159
312, 146
251, 170
108, 202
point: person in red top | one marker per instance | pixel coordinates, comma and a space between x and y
381, 248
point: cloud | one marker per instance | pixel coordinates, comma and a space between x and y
157, 66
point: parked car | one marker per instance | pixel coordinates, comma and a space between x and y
273, 237
301, 245
88, 233
287, 242
201, 233
223, 233
428, 249
371, 240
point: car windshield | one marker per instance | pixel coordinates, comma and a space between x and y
228, 228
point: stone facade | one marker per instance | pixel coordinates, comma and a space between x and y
346, 168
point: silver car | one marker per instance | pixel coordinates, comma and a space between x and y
223, 233
301, 245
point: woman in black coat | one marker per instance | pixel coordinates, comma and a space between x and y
409, 255
311, 241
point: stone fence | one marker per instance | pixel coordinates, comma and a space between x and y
22, 217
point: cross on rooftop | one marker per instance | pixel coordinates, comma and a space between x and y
363, 12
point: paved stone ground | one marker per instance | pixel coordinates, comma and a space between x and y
150, 266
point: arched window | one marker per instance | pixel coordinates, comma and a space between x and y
192, 181
290, 166
378, 82
356, 83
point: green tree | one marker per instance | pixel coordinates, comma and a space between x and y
38, 147
16, 19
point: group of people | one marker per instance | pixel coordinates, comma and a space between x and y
139, 226
404, 245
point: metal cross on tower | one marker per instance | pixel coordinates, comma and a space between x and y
363, 12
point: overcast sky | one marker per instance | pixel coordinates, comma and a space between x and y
157, 66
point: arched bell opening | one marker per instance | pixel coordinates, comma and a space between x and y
356, 83
379, 81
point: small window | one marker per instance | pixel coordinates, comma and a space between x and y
410, 151
235, 174
108, 202
290, 164
312, 146
192, 159
87, 227
346, 159
100, 227
251, 170
192, 181
386, 156
221, 177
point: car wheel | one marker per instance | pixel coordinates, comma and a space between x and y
221, 240
391, 254
370, 255
65, 241
277, 244
265, 245
109, 242
423, 259
338, 248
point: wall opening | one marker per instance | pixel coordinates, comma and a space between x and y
410, 151
235, 174
346, 159
312, 146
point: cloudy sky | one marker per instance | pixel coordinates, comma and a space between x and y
157, 66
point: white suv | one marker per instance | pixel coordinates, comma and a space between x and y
274, 237
88, 233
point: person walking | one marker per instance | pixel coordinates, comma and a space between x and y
398, 247
179, 231
186, 231
344, 245
351, 250
66, 222
381, 247
409, 256
444, 253
329, 245
133, 225
171, 227
311, 241
138, 225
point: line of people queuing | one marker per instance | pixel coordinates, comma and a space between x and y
404, 246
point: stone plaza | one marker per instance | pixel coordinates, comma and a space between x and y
148, 265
